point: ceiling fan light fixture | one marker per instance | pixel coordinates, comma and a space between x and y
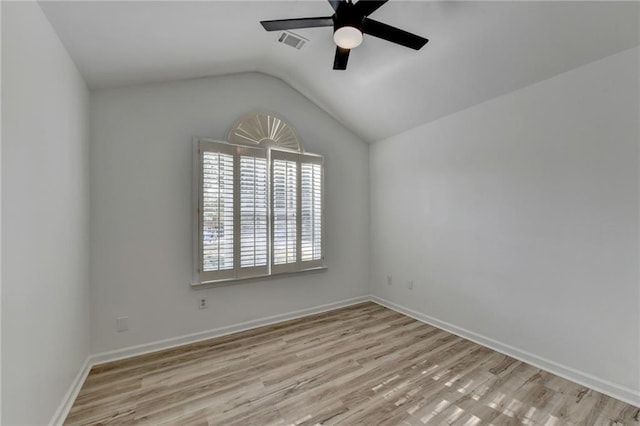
347, 37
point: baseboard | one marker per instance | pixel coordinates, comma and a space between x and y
159, 345
100, 358
606, 387
63, 410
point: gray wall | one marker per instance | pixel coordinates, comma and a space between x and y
45, 217
518, 221
141, 209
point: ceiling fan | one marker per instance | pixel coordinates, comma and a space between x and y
350, 21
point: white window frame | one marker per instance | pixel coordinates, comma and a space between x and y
237, 273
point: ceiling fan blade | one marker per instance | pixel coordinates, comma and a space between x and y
367, 7
290, 24
342, 56
393, 34
335, 3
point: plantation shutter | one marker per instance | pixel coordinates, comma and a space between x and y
253, 235
260, 212
216, 212
284, 188
311, 211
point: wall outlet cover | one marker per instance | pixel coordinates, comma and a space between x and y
122, 324
202, 303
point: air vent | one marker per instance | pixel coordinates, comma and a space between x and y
293, 40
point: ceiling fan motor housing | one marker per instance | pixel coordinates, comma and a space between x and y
347, 16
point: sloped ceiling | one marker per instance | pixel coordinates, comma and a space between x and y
477, 50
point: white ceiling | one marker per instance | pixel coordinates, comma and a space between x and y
477, 50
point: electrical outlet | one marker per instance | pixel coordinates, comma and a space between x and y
389, 280
410, 285
122, 324
202, 303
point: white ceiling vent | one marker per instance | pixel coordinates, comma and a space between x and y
293, 40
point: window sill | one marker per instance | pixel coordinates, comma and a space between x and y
231, 281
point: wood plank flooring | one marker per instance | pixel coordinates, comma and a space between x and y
363, 364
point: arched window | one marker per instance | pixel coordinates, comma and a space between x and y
260, 203
264, 130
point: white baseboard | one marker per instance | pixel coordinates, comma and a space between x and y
118, 354
100, 358
63, 410
606, 387
627, 395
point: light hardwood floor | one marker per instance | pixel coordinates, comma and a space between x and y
363, 364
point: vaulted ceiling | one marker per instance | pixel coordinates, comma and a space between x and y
477, 50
